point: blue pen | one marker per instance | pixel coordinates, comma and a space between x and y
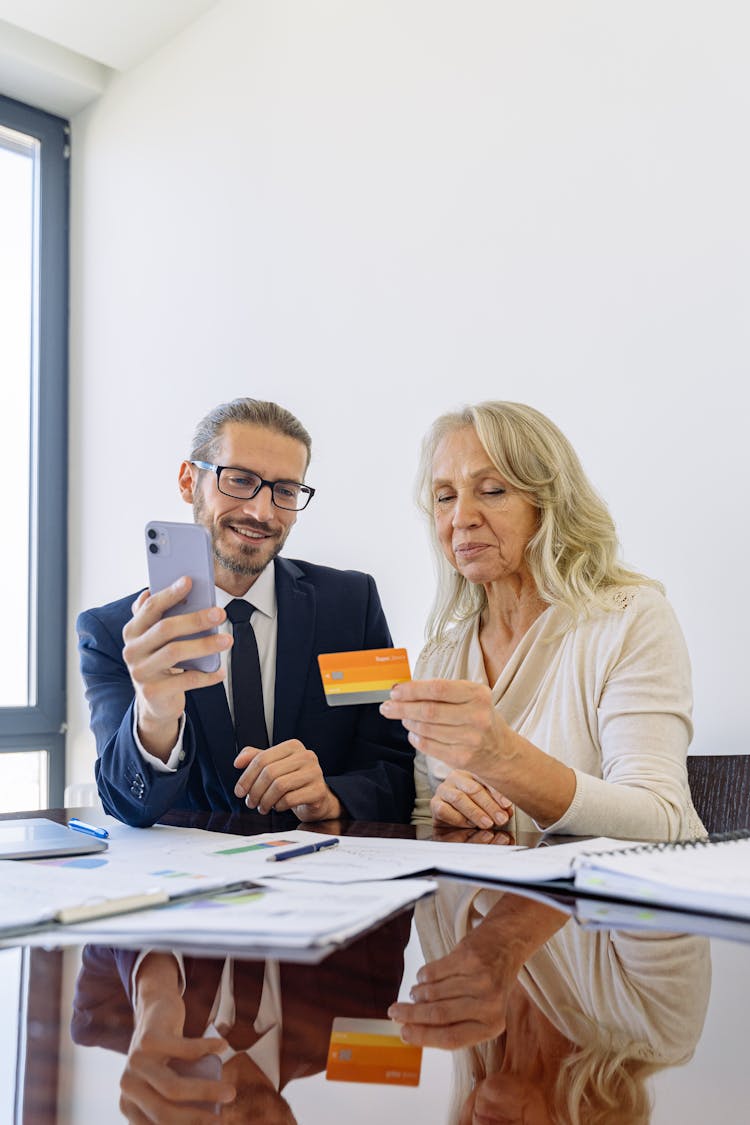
305, 849
89, 829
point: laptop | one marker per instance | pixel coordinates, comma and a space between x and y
38, 838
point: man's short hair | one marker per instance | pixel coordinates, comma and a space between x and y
248, 411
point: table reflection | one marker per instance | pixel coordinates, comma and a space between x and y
222, 1035
551, 1023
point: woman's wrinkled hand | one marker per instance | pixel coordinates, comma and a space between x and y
472, 836
454, 721
461, 999
463, 801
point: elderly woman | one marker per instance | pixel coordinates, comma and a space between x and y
555, 678
549, 1022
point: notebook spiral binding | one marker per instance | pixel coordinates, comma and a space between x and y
680, 845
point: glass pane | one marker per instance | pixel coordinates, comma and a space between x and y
18, 161
23, 781
10, 998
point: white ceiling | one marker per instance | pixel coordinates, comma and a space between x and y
117, 33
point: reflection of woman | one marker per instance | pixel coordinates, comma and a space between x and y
555, 678
558, 1024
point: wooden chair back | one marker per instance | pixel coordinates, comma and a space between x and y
720, 786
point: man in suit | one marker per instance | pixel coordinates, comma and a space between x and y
269, 1022
166, 740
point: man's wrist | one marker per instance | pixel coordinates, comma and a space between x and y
157, 737
155, 742
328, 807
335, 808
157, 978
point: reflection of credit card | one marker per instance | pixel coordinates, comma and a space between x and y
362, 677
372, 1051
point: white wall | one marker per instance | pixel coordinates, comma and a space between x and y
375, 211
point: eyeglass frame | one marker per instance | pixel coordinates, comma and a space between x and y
219, 469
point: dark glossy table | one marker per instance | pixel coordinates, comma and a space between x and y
627, 1015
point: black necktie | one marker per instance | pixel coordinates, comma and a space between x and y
247, 689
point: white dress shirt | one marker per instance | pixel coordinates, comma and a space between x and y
266, 1052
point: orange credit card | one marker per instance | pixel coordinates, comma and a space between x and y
362, 677
372, 1051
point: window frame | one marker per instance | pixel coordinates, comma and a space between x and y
42, 725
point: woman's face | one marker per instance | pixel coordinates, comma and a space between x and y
506, 1099
483, 524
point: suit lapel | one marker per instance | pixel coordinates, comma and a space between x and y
296, 606
210, 707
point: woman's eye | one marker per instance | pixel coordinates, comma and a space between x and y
493, 492
444, 497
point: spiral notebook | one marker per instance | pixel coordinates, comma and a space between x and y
710, 875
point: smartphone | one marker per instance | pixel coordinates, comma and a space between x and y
209, 1066
174, 549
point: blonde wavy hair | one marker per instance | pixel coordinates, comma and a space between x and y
574, 555
597, 1084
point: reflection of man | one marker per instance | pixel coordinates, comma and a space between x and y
267, 1023
162, 743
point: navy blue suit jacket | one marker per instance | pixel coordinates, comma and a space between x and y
366, 759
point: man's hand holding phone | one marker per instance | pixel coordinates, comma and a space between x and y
154, 644
168, 1076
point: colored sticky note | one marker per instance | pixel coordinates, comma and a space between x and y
371, 1051
362, 677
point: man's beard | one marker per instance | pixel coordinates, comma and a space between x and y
244, 565
247, 568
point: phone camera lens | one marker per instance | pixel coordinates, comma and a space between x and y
153, 548
151, 533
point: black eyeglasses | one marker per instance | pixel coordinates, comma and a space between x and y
241, 484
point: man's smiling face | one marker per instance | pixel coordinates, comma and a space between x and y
246, 534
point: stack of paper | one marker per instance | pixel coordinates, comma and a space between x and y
198, 874
109, 896
292, 916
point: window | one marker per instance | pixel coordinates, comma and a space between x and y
33, 406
